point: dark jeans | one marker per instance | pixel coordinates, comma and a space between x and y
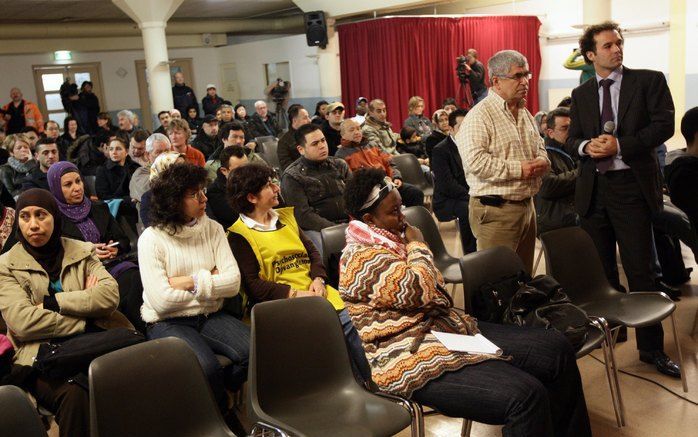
217, 333
619, 213
359, 363
69, 402
449, 209
539, 393
411, 195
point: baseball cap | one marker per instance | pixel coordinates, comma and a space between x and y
210, 118
334, 106
361, 99
209, 86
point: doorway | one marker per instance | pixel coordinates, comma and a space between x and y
183, 65
49, 78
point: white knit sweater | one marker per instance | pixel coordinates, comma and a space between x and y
193, 250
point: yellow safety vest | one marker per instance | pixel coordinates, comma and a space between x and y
281, 255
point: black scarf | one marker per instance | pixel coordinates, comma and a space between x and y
50, 255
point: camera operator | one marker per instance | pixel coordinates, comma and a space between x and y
477, 76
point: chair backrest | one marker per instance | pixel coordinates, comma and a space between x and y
261, 141
333, 242
18, 417
153, 388
489, 265
572, 259
90, 182
421, 218
297, 349
411, 170
269, 155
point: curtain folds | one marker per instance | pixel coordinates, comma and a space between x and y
396, 58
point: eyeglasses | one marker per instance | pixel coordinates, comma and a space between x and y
199, 195
518, 76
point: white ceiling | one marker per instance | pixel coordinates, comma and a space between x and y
33, 11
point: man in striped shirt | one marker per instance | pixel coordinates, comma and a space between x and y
504, 158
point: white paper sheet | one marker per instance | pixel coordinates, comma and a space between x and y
472, 344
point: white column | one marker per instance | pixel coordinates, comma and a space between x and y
328, 65
152, 16
157, 66
596, 11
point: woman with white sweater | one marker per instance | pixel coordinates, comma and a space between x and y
187, 269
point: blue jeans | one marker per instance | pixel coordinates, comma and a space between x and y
359, 363
217, 333
538, 393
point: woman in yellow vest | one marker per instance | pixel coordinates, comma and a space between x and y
276, 260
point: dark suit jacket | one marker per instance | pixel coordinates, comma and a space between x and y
645, 120
449, 176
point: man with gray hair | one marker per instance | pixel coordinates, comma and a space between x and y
505, 159
127, 120
140, 180
263, 123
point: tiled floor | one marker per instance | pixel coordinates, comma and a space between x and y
651, 411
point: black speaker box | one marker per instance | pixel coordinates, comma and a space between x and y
315, 29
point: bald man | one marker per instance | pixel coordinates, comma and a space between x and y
182, 95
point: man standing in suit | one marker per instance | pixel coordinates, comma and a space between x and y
618, 118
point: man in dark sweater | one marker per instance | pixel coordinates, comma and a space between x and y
262, 123
211, 101
330, 127
207, 140
314, 184
555, 199
682, 174
46, 154
218, 208
286, 149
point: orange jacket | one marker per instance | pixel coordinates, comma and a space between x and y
32, 115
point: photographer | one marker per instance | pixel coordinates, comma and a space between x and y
477, 76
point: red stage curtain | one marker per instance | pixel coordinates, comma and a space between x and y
396, 58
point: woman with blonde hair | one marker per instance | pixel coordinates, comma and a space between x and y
416, 119
19, 163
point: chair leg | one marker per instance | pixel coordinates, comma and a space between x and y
535, 266
611, 382
678, 350
418, 429
467, 427
611, 340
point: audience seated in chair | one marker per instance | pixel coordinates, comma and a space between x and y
358, 153
231, 134
387, 280
113, 179
682, 174
330, 127
136, 149
276, 259
162, 162
53, 287
416, 119
377, 129
90, 152
207, 140
187, 269
46, 154
140, 179
441, 131
19, 163
218, 207
286, 150
451, 191
178, 131
314, 184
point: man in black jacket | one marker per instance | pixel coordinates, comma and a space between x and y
46, 154
451, 191
618, 119
682, 174
211, 100
555, 199
286, 149
262, 123
182, 95
207, 140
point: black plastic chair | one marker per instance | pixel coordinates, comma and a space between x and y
493, 264
156, 388
411, 171
572, 259
300, 378
268, 153
333, 242
18, 417
420, 217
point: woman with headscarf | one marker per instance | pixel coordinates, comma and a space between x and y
440, 132
53, 287
163, 161
396, 298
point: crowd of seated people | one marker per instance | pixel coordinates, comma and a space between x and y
185, 191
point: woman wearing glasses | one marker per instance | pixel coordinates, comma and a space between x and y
277, 260
187, 270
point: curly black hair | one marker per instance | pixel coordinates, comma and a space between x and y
358, 188
587, 43
168, 192
248, 179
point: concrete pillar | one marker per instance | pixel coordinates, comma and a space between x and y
152, 17
677, 67
596, 11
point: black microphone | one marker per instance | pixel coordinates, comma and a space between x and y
609, 127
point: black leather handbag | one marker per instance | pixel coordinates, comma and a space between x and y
68, 356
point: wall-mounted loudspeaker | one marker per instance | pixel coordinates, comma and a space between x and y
316, 29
